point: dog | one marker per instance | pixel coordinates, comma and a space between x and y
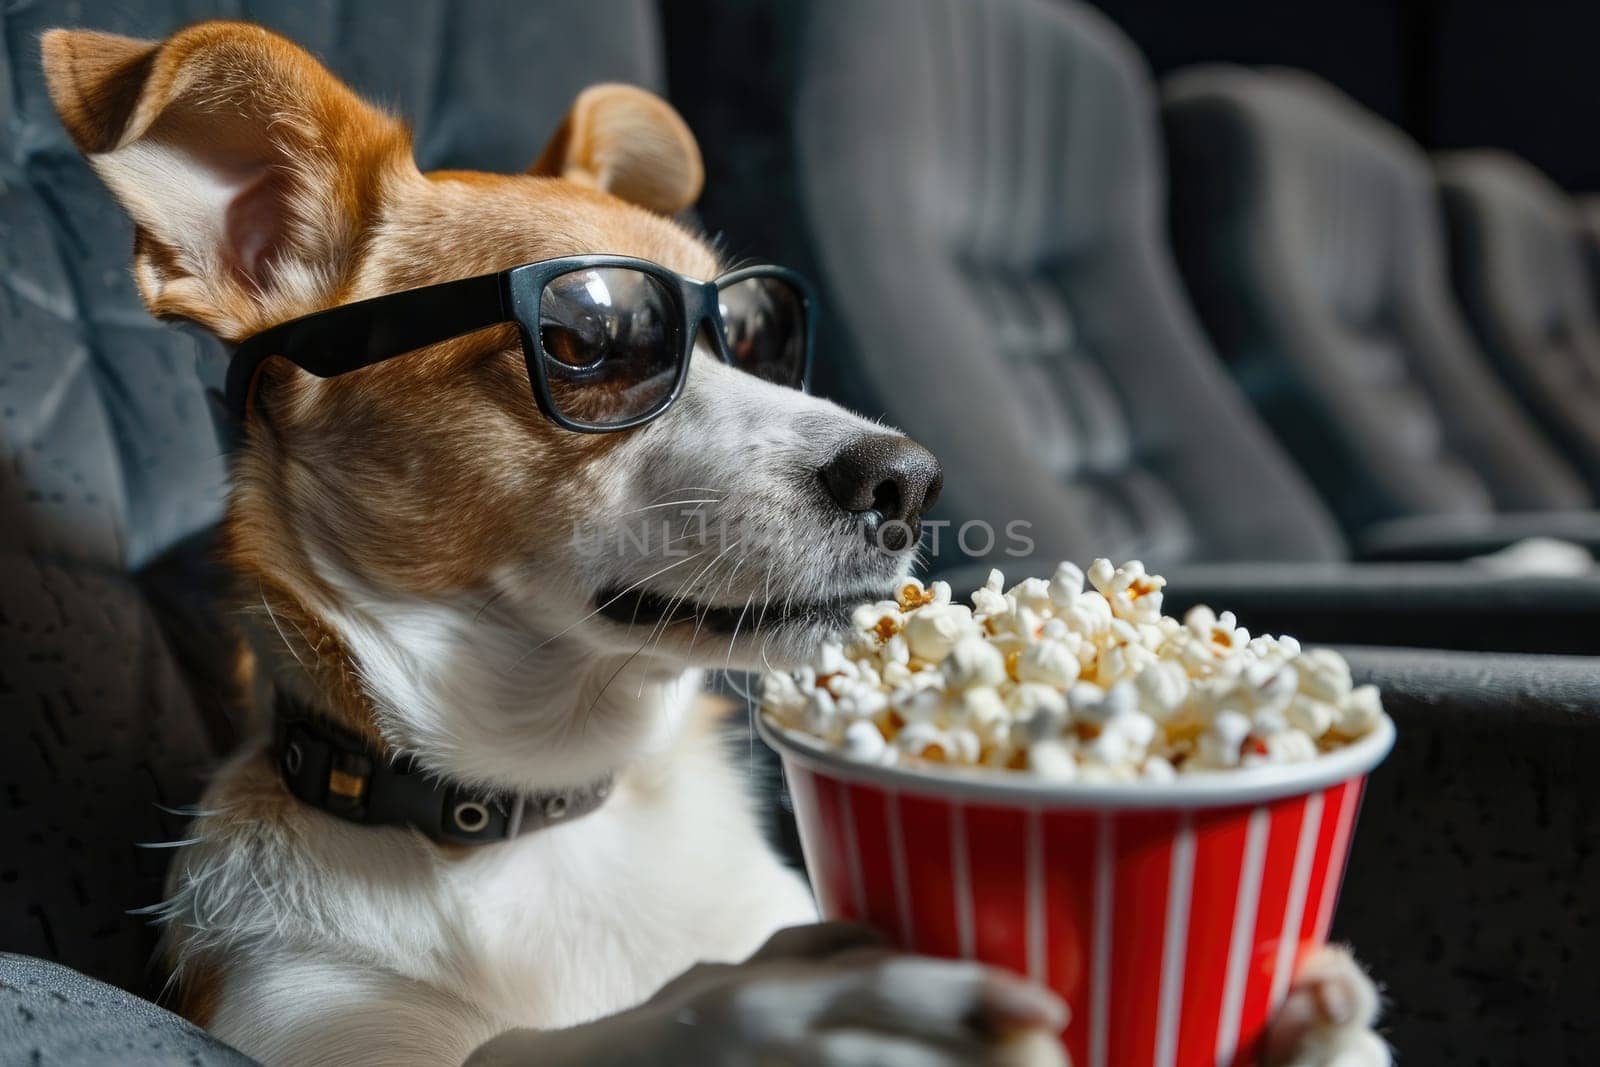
424, 619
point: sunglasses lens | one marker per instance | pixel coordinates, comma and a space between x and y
612, 340
764, 324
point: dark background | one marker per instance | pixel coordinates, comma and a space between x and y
1452, 73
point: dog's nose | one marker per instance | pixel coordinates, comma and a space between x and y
887, 481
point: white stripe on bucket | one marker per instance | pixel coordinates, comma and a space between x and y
1175, 943
1100, 967
960, 866
1299, 885
1251, 866
1341, 842
1036, 919
858, 891
897, 861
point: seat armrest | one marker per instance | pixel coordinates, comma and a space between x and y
1422, 605
53, 1014
1457, 537
1477, 842
1426, 605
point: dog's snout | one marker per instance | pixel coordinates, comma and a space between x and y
888, 481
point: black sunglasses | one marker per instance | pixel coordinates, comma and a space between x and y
607, 339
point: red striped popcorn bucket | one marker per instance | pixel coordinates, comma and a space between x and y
1169, 916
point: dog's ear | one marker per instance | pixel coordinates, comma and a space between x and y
247, 168
629, 142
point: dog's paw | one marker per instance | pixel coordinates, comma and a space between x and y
1327, 1020
823, 995
836, 995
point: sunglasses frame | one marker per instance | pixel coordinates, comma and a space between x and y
353, 336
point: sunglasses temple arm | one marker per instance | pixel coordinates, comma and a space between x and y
352, 336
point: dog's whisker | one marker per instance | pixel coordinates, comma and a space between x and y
487, 604
607, 604
281, 635
662, 623
728, 584
689, 489
669, 504
672, 606
732, 641
614, 675
726, 663
705, 609
188, 811
766, 594
698, 512
727, 677
679, 540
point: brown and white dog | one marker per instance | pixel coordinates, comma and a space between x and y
403, 535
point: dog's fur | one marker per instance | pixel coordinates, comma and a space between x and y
404, 539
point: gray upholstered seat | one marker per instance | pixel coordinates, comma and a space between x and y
988, 234
1308, 232
1589, 231
984, 191
50, 1014
1518, 259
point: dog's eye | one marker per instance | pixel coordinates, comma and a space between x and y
612, 315
763, 323
612, 341
568, 346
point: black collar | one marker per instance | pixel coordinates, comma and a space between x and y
337, 771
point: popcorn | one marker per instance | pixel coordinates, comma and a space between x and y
972, 662
780, 694
1327, 676
1078, 677
931, 633
1157, 769
830, 660
1134, 596
820, 717
1095, 707
1287, 746
1221, 743
1310, 716
1066, 585
862, 702
896, 650
1053, 759
1137, 728
1050, 663
923, 740
876, 623
1163, 687
917, 703
1360, 713
983, 710
1110, 748
1271, 685
865, 742
989, 600
1089, 614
